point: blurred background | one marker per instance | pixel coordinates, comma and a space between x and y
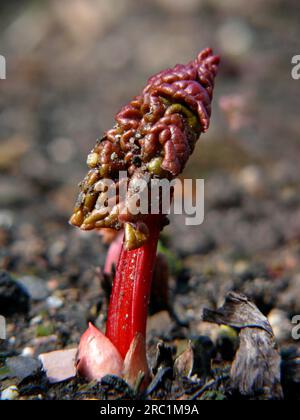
70, 66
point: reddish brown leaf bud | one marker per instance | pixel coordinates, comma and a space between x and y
153, 137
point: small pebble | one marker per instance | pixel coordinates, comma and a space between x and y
59, 365
12, 340
9, 394
52, 284
36, 287
240, 267
54, 302
6, 219
36, 320
28, 352
280, 324
21, 367
45, 341
251, 179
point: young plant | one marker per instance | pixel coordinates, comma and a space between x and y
153, 138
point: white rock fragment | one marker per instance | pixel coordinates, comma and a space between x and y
54, 302
9, 394
59, 365
28, 352
6, 219
12, 340
251, 179
280, 324
36, 320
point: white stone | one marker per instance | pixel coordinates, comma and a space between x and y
36, 320
59, 365
27, 352
54, 302
10, 393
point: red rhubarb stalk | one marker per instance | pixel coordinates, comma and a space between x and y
153, 138
127, 314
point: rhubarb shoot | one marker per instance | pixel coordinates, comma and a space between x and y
153, 138
127, 314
